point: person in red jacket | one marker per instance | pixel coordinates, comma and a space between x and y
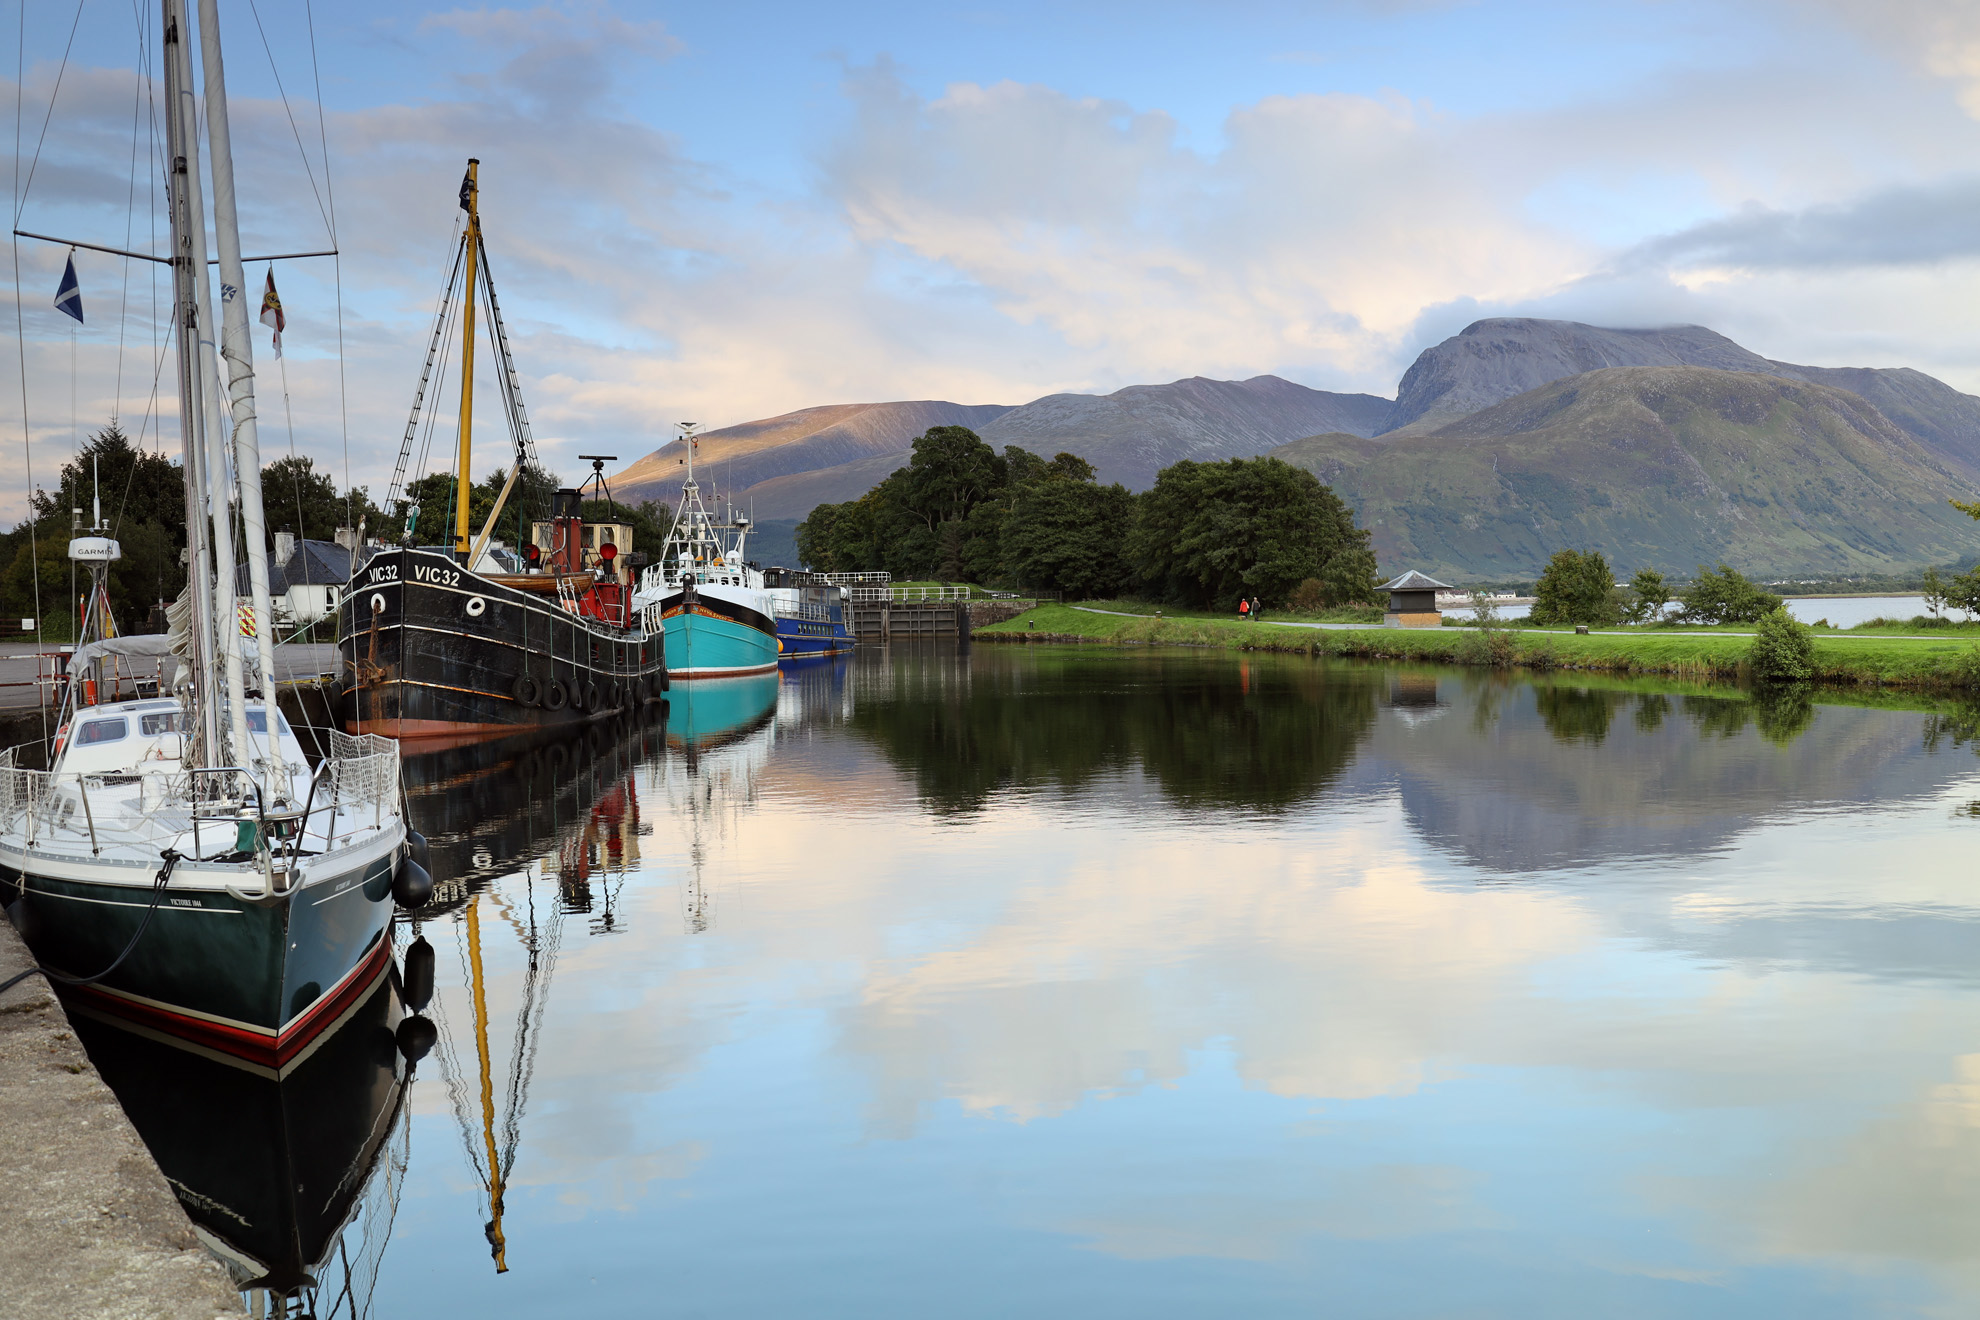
1244, 607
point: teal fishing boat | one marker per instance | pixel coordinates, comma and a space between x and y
720, 620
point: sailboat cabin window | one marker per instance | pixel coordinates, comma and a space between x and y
164, 722
102, 731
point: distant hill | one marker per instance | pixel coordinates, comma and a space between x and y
1132, 434
737, 457
786, 465
1664, 467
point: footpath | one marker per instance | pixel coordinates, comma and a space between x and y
89, 1230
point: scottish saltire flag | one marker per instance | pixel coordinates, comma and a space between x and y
271, 311
68, 298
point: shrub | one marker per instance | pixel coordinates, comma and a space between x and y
1576, 587
1309, 597
1782, 650
1726, 596
1496, 647
1966, 669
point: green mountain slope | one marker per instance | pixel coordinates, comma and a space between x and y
1661, 467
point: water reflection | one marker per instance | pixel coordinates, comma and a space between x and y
291, 1178
1045, 982
1250, 735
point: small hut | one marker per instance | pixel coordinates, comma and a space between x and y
1413, 601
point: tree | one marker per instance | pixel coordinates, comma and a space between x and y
1065, 533
1648, 595
143, 499
1209, 533
1934, 593
1576, 587
1726, 596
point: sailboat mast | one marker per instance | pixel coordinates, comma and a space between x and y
236, 350
471, 200
188, 272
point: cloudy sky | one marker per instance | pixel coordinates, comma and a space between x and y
723, 212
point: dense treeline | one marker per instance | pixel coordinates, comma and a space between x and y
1206, 534
143, 496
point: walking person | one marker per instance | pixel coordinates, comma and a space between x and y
1244, 608
1257, 608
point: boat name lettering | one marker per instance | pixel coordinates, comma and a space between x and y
385, 573
187, 902
444, 576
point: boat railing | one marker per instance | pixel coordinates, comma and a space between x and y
149, 810
859, 579
908, 595
813, 613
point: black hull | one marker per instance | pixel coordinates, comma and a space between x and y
431, 650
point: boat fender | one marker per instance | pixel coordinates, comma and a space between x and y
525, 691
377, 603
475, 606
591, 696
614, 694
416, 848
553, 696
412, 884
417, 977
416, 1035
576, 690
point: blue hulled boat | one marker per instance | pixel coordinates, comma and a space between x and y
811, 614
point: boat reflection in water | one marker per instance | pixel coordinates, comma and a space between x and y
525, 833
290, 1175
720, 732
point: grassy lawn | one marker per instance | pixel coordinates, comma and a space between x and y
1933, 661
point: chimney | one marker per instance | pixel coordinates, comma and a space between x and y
285, 548
348, 538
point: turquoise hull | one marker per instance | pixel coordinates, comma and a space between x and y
708, 714
717, 638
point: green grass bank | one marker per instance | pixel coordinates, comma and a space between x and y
1940, 661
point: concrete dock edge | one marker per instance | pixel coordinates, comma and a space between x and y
88, 1227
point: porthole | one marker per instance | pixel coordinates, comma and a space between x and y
475, 606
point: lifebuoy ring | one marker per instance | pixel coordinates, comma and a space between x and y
525, 691
553, 695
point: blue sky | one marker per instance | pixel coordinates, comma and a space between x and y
730, 211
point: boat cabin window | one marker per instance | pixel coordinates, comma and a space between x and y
153, 725
102, 731
258, 721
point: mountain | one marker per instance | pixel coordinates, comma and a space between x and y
738, 457
1493, 360
784, 466
1132, 434
1664, 467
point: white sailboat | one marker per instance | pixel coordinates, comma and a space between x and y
179, 866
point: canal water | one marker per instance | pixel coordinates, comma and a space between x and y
1027, 981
